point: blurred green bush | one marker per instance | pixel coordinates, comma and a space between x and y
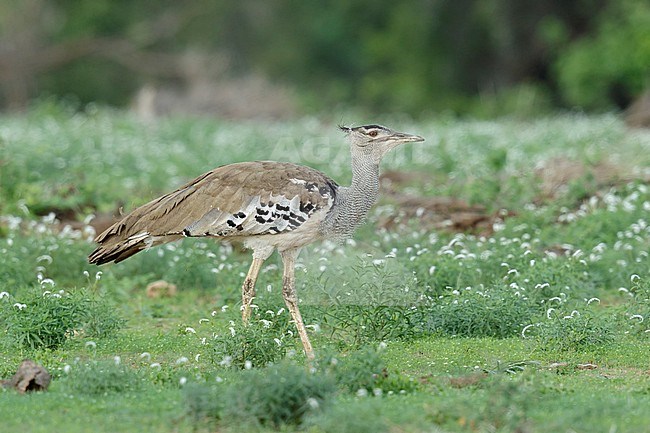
609, 66
484, 58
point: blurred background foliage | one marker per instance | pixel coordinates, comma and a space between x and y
278, 57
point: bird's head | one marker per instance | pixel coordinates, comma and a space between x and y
374, 141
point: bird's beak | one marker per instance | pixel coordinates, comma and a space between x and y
403, 137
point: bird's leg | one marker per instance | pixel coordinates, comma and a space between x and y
248, 289
291, 298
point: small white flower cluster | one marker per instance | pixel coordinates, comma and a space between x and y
612, 201
48, 226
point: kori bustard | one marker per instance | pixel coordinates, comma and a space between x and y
264, 204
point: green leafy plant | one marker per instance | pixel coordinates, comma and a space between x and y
636, 311
47, 319
95, 378
508, 406
495, 312
279, 394
343, 416
283, 393
203, 402
364, 372
369, 303
261, 342
573, 330
358, 325
612, 63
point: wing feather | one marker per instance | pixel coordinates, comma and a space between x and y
236, 200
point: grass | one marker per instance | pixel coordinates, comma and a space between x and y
539, 321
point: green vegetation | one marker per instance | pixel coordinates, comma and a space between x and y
257, 344
45, 319
535, 317
100, 378
483, 58
602, 69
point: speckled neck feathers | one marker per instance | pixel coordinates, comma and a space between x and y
354, 202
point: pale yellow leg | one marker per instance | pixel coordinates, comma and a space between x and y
248, 289
291, 298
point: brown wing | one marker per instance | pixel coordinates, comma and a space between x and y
236, 200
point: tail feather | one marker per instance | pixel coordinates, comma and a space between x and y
119, 250
115, 253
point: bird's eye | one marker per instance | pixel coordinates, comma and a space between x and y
373, 133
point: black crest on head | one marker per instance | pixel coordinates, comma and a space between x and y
373, 127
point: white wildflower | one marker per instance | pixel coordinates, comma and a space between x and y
44, 258
574, 313
49, 281
315, 327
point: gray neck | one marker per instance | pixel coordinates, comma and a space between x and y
353, 202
